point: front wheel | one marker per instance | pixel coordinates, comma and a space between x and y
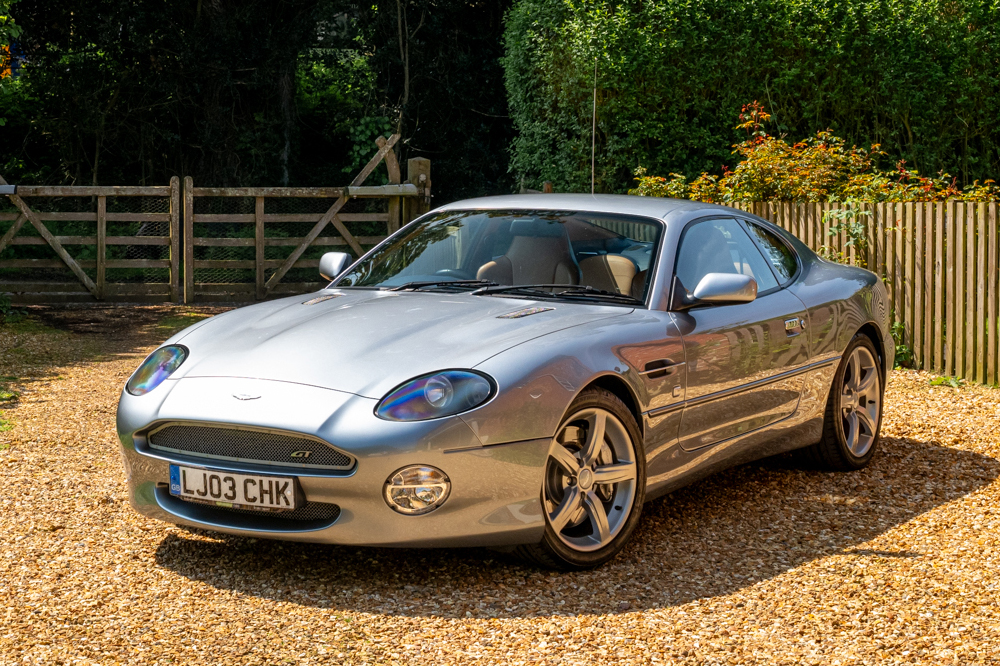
853, 411
595, 479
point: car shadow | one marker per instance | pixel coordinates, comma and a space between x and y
720, 535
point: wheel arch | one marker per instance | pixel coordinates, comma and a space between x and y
871, 331
620, 389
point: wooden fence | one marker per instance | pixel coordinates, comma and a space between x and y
940, 265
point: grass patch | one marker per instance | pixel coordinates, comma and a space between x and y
177, 322
28, 325
953, 382
5, 425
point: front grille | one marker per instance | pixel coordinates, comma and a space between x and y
308, 511
253, 446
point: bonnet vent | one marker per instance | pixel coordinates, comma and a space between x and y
526, 312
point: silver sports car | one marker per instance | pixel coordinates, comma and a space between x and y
521, 372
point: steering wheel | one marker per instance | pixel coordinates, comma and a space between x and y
455, 273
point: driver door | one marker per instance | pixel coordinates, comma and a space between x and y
741, 359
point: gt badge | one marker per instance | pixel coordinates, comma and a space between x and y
301, 454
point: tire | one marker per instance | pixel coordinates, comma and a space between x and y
853, 419
587, 523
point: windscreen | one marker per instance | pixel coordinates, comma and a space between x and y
608, 252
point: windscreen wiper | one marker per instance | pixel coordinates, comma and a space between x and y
588, 291
566, 291
414, 286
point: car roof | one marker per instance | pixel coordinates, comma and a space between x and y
597, 203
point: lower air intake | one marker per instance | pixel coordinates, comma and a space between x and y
309, 511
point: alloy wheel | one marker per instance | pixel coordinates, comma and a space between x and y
860, 401
590, 480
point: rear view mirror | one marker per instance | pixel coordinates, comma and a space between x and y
715, 289
333, 264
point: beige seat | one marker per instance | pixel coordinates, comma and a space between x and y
639, 284
610, 272
539, 254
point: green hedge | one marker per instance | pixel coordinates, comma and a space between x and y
919, 77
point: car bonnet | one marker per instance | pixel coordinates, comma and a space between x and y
367, 342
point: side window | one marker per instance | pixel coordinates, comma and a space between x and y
720, 246
779, 254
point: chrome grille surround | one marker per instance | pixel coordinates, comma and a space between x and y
248, 445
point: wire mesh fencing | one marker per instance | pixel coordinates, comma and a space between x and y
86, 243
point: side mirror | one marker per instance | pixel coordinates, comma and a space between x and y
714, 289
725, 288
333, 264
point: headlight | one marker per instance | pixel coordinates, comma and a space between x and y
433, 396
158, 366
416, 490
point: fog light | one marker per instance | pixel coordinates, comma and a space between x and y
416, 490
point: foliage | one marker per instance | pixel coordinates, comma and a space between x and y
820, 168
255, 92
920, 76
9, 315
440, 81
953, 382
9, 29
852, 221
8, 394
904, 355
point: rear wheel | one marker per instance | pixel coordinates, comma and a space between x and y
595, 479
853, 411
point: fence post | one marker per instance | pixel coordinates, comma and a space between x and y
418, 172
395, 203
175, 239
258, 235
102, 246
188, 239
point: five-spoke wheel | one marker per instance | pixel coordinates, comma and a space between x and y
861, 401
853, 410
590, 479
594, 481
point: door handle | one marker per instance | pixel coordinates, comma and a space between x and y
795, 323
663, 367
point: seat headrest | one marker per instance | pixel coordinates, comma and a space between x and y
537, 228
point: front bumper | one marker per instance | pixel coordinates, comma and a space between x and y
495, 491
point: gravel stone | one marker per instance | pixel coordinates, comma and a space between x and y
769, 563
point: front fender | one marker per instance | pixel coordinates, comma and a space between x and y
539, 379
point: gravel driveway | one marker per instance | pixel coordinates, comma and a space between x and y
767, 563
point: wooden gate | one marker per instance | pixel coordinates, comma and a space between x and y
84, 243
251, 243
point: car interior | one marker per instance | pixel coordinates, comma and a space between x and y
535, 250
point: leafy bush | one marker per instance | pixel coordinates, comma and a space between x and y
820, 168
919, 76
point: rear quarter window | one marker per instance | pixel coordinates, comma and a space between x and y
775, 251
